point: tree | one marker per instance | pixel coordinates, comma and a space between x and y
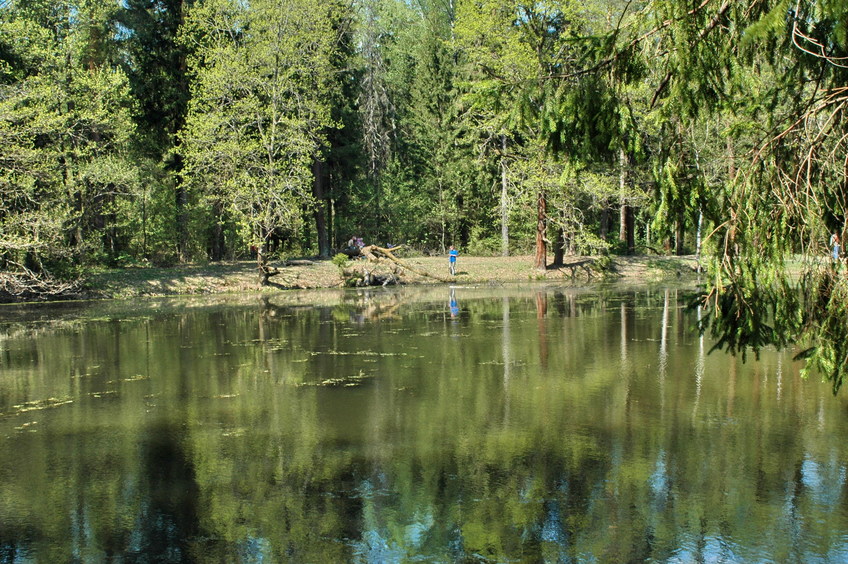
256, 119
436, 141
155, 62
64, 125
775, 71
516, 49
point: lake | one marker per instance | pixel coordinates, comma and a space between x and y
436, 424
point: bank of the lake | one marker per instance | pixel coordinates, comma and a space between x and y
242, 276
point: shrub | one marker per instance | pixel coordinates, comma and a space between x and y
341, 260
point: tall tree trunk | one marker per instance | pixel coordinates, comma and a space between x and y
627, 220
541, 223
375, 106
216, 244
331, 223
622, 191
181, 194
319, 175
504, 202
180, 206
681, 233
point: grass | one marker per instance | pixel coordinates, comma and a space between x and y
242, 276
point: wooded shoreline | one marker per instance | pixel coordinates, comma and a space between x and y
242, 276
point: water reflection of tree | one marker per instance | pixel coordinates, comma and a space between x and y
432, 466
760, 307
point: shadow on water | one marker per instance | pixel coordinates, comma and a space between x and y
171, 522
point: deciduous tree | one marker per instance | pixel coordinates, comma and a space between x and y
257, 117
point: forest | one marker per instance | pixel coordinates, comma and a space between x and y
158, 132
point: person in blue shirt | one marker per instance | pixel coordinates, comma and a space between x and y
452, 254
834, 244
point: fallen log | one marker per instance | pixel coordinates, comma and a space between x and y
375, 254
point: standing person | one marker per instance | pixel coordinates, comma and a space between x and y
452, 254
834, 245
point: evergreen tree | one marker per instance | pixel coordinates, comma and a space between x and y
155, 62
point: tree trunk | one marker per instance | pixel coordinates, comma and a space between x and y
622, 192
180, 193
605, 222
540, 261
504, 202
331, 221
318, 183
216, 244
265, 272
626, 225
262, 265
559, 247
180, 206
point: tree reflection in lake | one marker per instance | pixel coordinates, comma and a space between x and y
539, 425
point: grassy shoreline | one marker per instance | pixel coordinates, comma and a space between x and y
242, 276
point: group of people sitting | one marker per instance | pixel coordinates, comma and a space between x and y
355, 242
354, 246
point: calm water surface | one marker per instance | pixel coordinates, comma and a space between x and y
436, 425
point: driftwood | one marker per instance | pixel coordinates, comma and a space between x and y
351, 252
376, 254
26, 285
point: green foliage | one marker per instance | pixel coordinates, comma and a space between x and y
156, 65
341, 261
760, 307
583, 121
65, 127
256, 118
482, 244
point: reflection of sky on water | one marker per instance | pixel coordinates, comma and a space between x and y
375, 549
659, 478
381, 518
825, 481
714, 550
255, 550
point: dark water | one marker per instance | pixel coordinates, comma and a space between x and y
508, 426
